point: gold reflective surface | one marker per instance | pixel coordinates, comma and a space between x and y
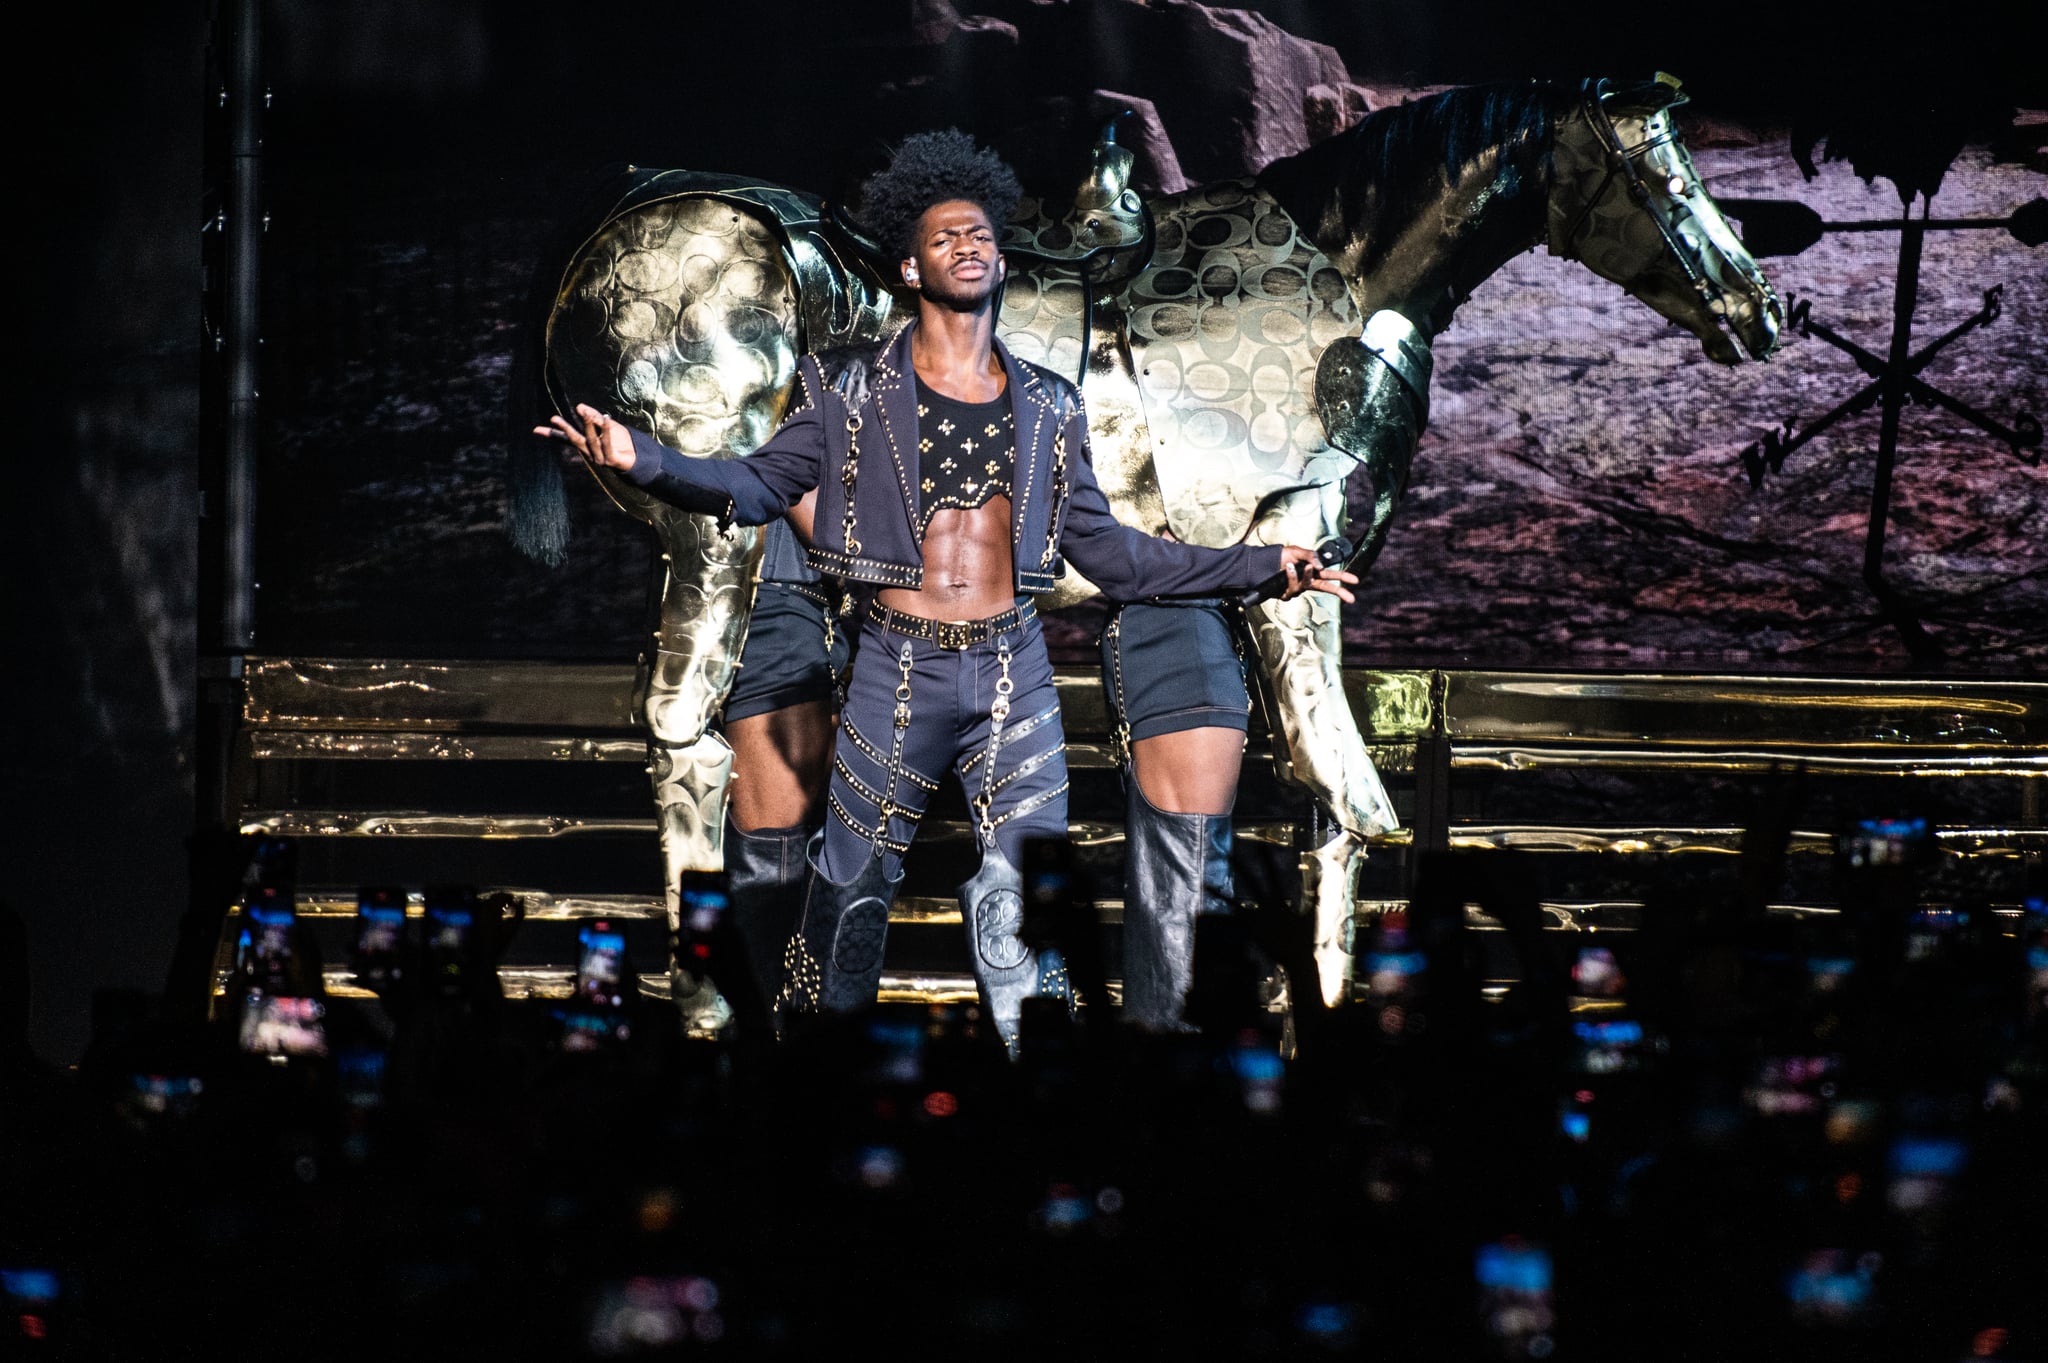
1197, 324
320, 709
1391, 705
373, 745
297, 701
1329, 881
680, 316
1667, 758
1044, 311
1226, 323
690, 787
401, 823
2003, 842
1873, 713
684, 313
311, 694
1203, 422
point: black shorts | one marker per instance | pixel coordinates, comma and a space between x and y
1168, 666
785, 661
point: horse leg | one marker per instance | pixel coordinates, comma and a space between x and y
1375, 408
697, 642
1319, 741
689, 796
680, 315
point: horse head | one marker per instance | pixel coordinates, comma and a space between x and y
1625, 199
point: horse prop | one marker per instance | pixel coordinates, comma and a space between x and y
1244, 348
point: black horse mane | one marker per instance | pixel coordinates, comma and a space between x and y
1458, 123
1430, 139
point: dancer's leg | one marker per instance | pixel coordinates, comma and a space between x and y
1177, 697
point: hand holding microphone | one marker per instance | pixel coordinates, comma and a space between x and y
1304, 570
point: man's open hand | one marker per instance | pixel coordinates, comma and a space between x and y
599, 439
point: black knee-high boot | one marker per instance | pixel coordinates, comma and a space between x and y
1006, 970
1175, 867
834, 960
767, 873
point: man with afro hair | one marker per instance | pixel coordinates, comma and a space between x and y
953, 482
931, 168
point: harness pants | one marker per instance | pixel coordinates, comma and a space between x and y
916, 708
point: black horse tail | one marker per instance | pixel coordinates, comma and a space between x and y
537, 503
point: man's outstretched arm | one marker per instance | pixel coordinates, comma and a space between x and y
751, 490
1129, 565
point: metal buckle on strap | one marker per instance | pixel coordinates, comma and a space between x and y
953, 636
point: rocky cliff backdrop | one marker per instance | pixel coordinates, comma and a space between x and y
1582, 498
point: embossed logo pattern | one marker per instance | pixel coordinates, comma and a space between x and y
996, 921
857, 946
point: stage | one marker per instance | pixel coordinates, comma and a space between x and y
1694, 1009
528, 777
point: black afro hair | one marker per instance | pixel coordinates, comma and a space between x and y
934, 168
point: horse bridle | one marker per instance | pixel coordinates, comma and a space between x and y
1624, 161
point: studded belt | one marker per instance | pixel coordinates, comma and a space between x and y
951, 635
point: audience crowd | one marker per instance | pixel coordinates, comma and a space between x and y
1735, 1133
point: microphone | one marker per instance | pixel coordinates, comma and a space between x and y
1331, 553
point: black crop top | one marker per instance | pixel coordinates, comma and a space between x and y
966, 452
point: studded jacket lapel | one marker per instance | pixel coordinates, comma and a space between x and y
893, 398
1031, 415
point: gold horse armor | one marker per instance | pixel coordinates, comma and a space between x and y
1235, 376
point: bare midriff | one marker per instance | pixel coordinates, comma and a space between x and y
968, 570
